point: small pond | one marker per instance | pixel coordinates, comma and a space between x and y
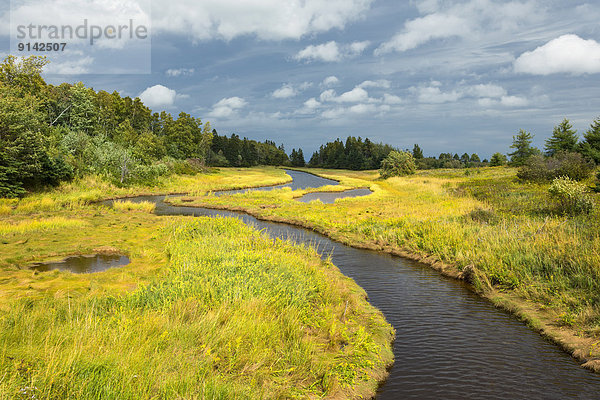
84, 264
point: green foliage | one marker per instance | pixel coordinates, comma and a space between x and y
564, 138
540, 169
590, 147
497, 160
572, 196
417, 152
355, 154
523, 150
297, 158
397, 163
237, 152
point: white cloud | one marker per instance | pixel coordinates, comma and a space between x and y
227, 107
504, 101
353, 96
312, 103
434, 95
266, 19
513, 101
422, 30
357, 48
331, 51
180, 72
284, 92
363, 108
327, 95
566, 54
327, 52
391, 99
465, 19
288, 90
382, 83
486, 90
330, 81
158, 96
70, 67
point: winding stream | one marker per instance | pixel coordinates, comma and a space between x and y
450, 343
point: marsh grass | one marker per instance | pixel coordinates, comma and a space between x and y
127, 205
508, 230
207, 308
39, 225
235, 315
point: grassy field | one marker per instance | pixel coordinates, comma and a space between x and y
505, 237
208, 307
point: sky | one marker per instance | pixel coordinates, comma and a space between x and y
452, 76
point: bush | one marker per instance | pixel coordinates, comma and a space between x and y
397, 163
572, 196
534, 169
540, 169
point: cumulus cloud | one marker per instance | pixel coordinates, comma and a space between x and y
70, 67
227, 107
504, 101
331, 51
284, 92
566, 54
265, 19
158, 96
180, 72
487, 95
330, 81
355, 95
288, 90
486, 90
382, 83
434, 95
391, 99
465, 19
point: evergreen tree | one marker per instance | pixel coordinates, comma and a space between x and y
475, 158
497, 160
590, 147
523, 150
417, 152
564, 138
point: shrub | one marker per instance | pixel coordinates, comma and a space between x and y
572, 196
534, 169
540, 169
397, 163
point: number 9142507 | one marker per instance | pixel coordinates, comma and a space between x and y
41, 46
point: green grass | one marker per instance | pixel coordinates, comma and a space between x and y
207, 308
127, 205
235, 315
509, 231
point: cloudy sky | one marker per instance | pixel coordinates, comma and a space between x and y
453, 76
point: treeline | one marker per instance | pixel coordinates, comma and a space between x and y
52, 133
446, 160
354, 154
235, 152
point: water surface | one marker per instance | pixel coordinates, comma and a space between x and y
84, 264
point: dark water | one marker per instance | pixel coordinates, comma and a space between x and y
84, 264
330, 197
450, 344
301, 180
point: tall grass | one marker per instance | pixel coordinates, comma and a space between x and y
39, 225
236, 315
128, 205
509, 231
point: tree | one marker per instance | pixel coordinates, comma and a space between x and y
590, 147
297, 158
475, 158
397, 163
465, 158
563, 138
417, 152
523, 150
497, 160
